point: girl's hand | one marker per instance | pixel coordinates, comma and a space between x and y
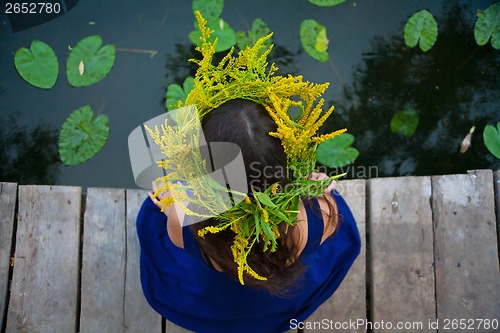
321, 176
160, 196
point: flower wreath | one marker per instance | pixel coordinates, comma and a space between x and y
256, 217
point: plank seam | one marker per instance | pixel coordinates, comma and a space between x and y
11, 267
434, 228
496, 194
80, 261
368, 262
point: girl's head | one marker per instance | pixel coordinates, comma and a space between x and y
247, 124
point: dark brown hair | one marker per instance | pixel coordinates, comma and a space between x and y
248, 124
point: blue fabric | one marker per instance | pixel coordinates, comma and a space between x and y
180, 286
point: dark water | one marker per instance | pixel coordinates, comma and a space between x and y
373, 75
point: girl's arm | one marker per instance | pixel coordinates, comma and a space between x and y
175, 217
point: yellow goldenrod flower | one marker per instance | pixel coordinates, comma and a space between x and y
265, 215
275, 188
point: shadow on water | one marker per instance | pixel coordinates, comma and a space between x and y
28, 155
452, 86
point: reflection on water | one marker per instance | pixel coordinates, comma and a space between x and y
28, 155
453, 86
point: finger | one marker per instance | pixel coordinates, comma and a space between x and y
322, 176
313, 175
155, 201
331, 187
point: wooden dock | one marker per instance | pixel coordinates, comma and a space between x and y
69, 260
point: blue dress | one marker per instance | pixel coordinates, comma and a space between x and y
181, 287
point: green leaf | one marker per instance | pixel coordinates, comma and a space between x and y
188, 84
82, 136
491, 136
314, 40
337, 152
257, 226
267, 230
88, 63
259, 29
488, 25
421, 28
280, 215
322, 42
265, 199
225, 34
245, 229
405, 122
176, 93
210, 9
326, 3
38, 66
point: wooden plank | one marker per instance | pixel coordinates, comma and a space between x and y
139, 316
103, 261
8, 192
467, 272
173, 328
349, 301
401, 255
45, 280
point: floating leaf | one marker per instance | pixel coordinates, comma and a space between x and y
81, 136
176, 93
488, 25
38, 66
491, 136
322, 42
326, 3
225, 34
97, 60
313, 39
421, 28
211, 10
405, 122
259, 29
337, 152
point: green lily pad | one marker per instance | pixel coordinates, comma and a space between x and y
176, 93
421, 28
88, 62
491, 136
326, 3
211, 10
337, 152
259, 29
82, 136
322, 42
225, 34
488, 25
313, 39
38, 66
405, 122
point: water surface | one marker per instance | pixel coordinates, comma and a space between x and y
373, 75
